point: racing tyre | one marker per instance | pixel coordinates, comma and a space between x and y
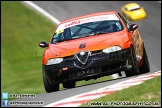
70, 84
135, 67
48, 87
145, 65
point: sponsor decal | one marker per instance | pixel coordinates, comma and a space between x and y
58, 32
72, 23
86, 20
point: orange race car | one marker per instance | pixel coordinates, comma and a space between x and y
92, 46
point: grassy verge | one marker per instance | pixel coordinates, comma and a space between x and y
21, 31
148, 92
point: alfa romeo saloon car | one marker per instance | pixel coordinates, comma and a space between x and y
91, 46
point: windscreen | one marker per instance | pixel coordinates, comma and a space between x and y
137, 7
91, 26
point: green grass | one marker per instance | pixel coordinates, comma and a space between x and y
21, 31
148, 92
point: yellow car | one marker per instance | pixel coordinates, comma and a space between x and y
133, 11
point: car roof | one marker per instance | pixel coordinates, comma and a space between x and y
129, 6
89, 15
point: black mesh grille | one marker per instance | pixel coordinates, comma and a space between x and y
82, 57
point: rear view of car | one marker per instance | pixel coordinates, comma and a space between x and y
133, 11
92, 46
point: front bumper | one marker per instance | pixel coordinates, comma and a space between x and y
97, 65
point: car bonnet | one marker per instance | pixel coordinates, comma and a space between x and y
91, 43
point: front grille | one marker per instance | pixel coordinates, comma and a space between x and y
82, 56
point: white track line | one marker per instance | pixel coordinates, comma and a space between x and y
42, 11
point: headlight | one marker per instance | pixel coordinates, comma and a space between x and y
111, 49
54, 61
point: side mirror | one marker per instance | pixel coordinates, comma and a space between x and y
43, 44
133, 27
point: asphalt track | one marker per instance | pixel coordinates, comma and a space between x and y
150, 30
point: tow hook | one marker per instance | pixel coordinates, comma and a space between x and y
127, 66
60, 71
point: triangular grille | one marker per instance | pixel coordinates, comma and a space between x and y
82, 56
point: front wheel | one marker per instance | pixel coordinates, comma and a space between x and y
48, 87
135, 67
145, 65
